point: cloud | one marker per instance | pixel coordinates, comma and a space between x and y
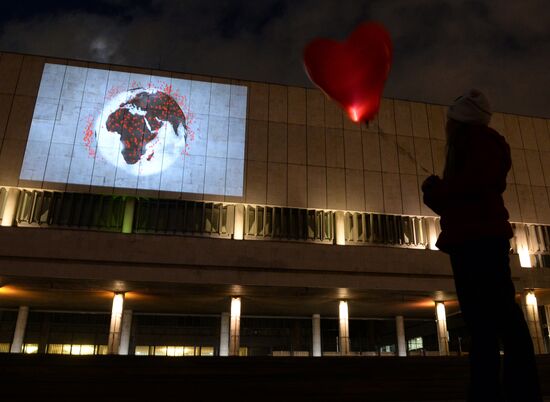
442, 47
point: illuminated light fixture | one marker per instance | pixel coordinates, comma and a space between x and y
525, 258
344, 313
238, 229
440, 311
235, 307
531, 299
118, 303
10, 207
340, 227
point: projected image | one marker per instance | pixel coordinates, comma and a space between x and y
118, 129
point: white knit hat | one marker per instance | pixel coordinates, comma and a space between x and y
472, 107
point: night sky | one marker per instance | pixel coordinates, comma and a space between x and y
441, 47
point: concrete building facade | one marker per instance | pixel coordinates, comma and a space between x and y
328, 250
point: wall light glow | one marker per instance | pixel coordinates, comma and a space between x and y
235, 307
531, 299
118, 303
440, 311
525, 258
344, 314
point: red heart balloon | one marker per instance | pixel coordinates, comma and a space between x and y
352, 72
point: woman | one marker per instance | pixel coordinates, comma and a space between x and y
475, 233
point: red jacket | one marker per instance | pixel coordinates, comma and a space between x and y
470, 202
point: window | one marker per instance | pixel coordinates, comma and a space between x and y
30, 348
387, 349
5, 347
69, 349
174, 351
415, 343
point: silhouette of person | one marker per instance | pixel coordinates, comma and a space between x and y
475, 232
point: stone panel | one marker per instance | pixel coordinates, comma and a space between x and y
436, 121
388, 153
419, 120
536, 177
542, 206
542, 134
405, 150
353, 149
297, 186
374, 196
335, 147
497, 123
256, 182
11, 159
297, 144
333, 114
423, 155
512, 131
316, 187
409, 193
392, 193
31, 73
336, 188
528, 133
315, 108
296, 105
355, 190
316, 146
386, 117
371, 151
20, 118
519, 165
545, 161
277, 142
259, 100
512, 203
438, 154
10, 67
257, 140
278, 100
403, 123
526, 203
276, 183
5, 108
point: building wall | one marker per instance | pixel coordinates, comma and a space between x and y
302, 152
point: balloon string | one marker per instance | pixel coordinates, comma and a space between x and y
410, 156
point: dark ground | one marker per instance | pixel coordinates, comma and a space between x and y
135, 378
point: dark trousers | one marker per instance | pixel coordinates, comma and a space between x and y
487, 300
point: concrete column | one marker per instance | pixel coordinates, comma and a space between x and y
340, 228
125, 333
20, 326
116, 324
401, 341
128, 221
10, 209
442, 334
531, 311
344, 328
224, 335
235, 327
316, 332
